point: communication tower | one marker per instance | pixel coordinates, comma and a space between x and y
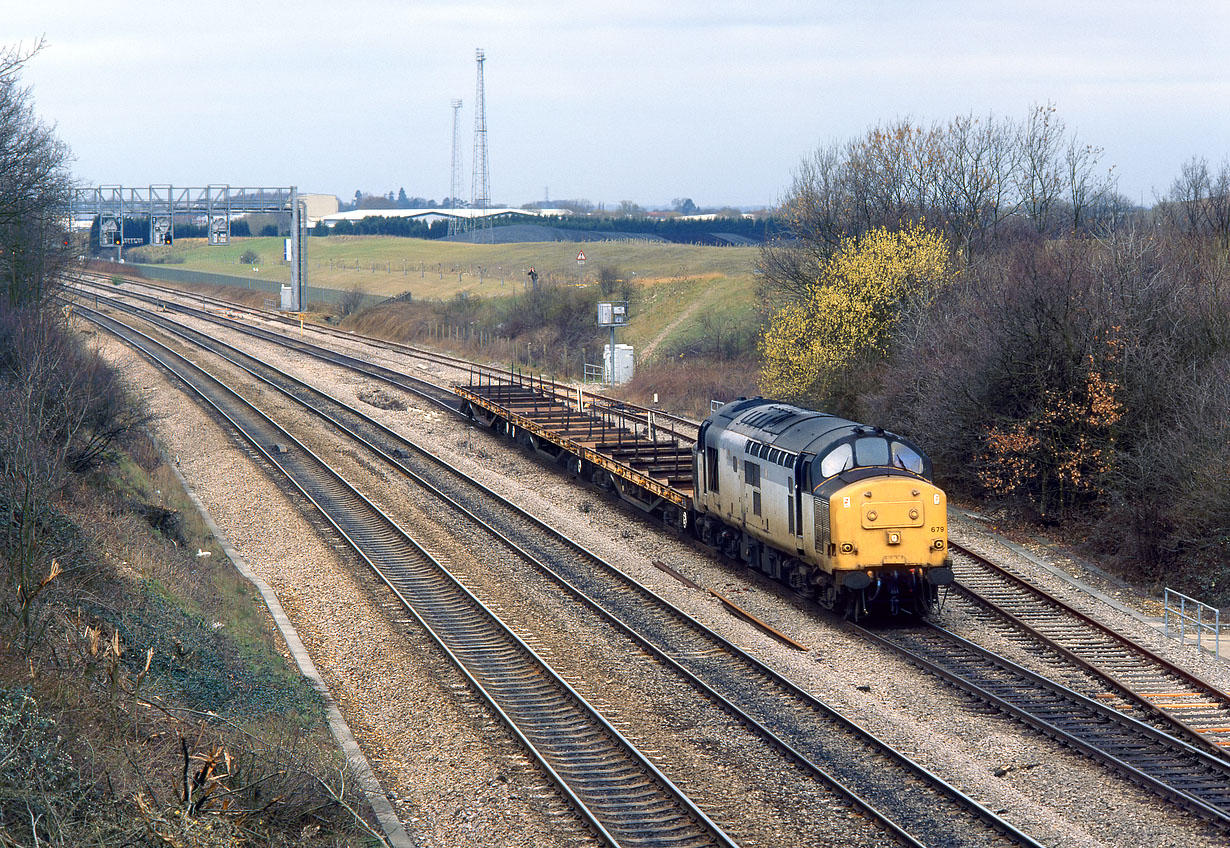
454, 226
481, 191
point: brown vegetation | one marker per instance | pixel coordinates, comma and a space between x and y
126, 717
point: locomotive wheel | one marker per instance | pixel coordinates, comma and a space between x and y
827, 595
707, 534
798, 578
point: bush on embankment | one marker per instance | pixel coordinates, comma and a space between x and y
1085, 382
142, 700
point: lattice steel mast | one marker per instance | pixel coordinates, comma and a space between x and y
454, 225
481, 190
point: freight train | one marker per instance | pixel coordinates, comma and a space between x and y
841, 512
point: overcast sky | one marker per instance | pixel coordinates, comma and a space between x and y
608, 101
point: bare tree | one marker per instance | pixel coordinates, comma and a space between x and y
1040, 178
813, 218
352, 300
34, 187
1198, 205
1086, 189
1187, 207
975, 183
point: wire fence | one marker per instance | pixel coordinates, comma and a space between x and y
208, 278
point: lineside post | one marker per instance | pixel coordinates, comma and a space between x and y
298, 251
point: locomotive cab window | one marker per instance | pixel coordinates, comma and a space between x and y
871, 450
838, 460
906, 457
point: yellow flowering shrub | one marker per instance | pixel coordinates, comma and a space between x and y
850, 312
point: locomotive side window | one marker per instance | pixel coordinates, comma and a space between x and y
871, 451
711, 469
906, 457
751, 474
839, 459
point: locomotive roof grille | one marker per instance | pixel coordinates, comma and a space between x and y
794, 430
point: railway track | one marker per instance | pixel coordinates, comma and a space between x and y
1189, 777
437, 395
864, 771
1197, 709
621, 794
1172, 772
463, 366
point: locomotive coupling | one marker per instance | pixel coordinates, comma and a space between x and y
855, 580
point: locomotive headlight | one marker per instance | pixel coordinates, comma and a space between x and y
894, 538
847, 548
938, 544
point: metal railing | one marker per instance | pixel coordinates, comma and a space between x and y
595, 374
1190, 615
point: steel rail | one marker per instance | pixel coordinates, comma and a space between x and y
622, 795
1187, 776
691, 661
1199, 710
429, 391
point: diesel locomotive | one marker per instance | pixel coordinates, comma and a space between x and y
840, 511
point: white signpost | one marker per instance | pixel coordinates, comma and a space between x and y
220, 229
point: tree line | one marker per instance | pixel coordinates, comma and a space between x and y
675, 230
976, 179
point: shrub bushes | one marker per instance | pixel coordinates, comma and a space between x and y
1084, 381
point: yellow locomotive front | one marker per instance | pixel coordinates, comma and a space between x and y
888, 542
882, 526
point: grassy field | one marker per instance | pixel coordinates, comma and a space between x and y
434, 269
678, 290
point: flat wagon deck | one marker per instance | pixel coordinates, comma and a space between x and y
645, 458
